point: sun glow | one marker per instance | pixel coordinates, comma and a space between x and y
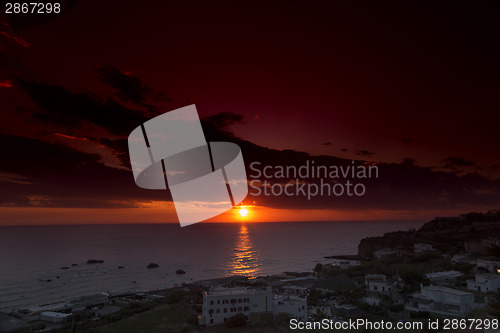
243, 212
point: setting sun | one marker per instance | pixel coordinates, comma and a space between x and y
243, 212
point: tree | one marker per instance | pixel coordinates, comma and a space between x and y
495, 305
236, 321
318, 268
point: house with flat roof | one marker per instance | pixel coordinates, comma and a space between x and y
490, 265
484, 283
295, 290
290, 306
441, 301
422, 247
54, 317
444, 277
343, 310
491, 242
219, 304
377, 283
34, 312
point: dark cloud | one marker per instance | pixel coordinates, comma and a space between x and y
219, 123
365, 153
454, 162
119, 149
406, 140
38, 173
344, 149
128, 88
399, 186
327, 143
59, 106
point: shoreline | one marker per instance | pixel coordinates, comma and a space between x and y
202, 282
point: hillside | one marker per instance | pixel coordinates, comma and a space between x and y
446, 235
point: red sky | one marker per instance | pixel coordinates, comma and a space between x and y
372, 82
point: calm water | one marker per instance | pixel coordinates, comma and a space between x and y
31, 255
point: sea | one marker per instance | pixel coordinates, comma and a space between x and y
46, 264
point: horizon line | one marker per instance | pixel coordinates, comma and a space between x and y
232, 222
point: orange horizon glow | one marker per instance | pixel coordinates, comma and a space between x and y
166, 214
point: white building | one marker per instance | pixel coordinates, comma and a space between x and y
222, 303
491, 266
372, 300
54, 317
33, 313
484, 283
379, 254
491, 242
341, 264
377, 283
422, 247
443, 277
292, 306
320, 311
295, 290
441, 301
462, 259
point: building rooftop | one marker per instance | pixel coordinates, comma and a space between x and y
288, 299
489, 260
346, 306
443, 274
55, 314
422, 300
375, 277
48, 307
295, 288
232, 291
447, 290
489, 276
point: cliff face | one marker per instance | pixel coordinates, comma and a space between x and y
445, 235
392, 240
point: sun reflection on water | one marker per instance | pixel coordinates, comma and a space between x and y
245, 258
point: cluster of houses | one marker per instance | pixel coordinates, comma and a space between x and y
262, 305
480, 247
285, 301
441, 297
438, 298
418, 248
266, 305
441, 300
58, 313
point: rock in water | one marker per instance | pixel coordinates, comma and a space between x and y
180, 271
95, 261
153, 265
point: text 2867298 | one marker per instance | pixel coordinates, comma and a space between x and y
32, 8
